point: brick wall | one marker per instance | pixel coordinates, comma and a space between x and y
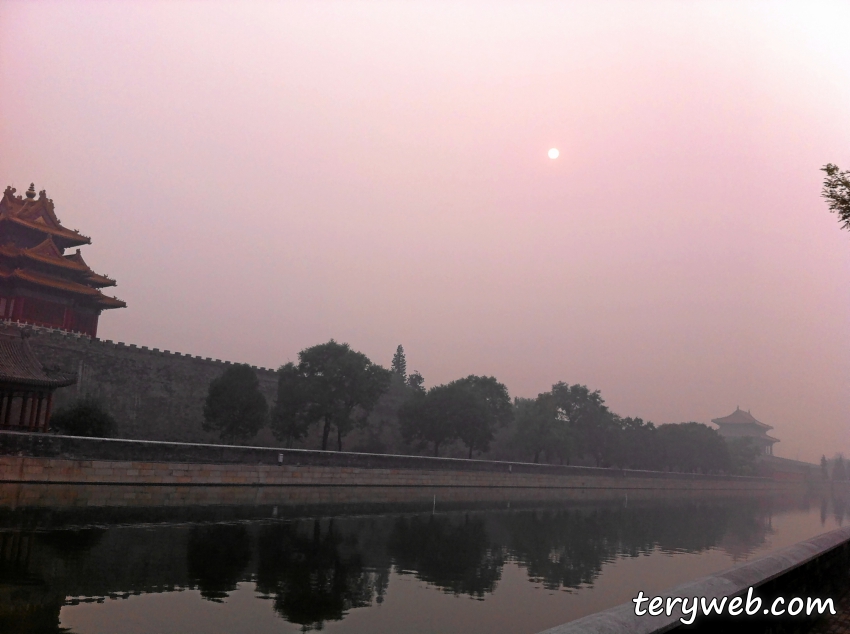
28, 469
152, 393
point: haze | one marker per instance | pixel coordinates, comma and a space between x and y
262, 177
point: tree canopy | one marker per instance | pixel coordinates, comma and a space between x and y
235, 407
836, 191
416, 381
467, 409
332, 385
399, 365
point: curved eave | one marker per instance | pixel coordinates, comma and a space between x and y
54, 283
100, 281
66, 237
33, 382
57, 262
111, 302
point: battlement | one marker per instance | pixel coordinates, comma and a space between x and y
153, 394
84, 339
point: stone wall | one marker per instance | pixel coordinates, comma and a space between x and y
152, 393
27, 469
26, 457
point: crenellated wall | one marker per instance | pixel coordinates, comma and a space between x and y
153, 394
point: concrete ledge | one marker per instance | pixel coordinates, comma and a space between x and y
734, 581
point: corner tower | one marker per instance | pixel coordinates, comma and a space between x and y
39, 283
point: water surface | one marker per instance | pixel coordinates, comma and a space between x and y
407, 565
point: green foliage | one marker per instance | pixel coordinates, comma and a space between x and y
399, 365
536, 424
839, 471
235, 407
332, 385
836, 191
743, 454
416, 381
467, 409
86, 417
431, 418
638, 446
589, 427
289, 416
692, 447
488, 407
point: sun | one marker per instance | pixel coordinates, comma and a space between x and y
554, 153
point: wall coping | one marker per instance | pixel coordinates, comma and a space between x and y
119, 345
732, 581
84, 448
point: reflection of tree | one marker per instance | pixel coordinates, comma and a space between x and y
216, 557
455, 556
567, 548
838, 507
314, 577
72, 544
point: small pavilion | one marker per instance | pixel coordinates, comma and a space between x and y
26, 388
741, 424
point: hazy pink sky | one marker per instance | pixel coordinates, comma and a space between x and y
261, 177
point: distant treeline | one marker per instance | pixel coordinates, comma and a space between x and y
336, 398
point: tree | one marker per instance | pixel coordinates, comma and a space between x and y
586, 421
839, 472
289, 417
638, 446
86, 417
824, 468
488, 407
692, 447
743, 454
431, 417
537, 420
399, 365
332, 385
836, 191
416, 381
235, 407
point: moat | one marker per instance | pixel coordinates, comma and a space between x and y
401, 566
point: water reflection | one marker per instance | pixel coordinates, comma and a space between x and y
317, 570
455, 554
314, 574
216, 558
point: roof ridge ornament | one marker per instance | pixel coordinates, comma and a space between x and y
31, 191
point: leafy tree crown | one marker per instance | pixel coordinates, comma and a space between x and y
836, 191
235, 407
399, 365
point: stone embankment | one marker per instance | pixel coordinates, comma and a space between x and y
817, 567
63, 459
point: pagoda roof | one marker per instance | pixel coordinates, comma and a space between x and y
40, 279
19, 365
37, 214
94, 278
48, 253
740, 417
